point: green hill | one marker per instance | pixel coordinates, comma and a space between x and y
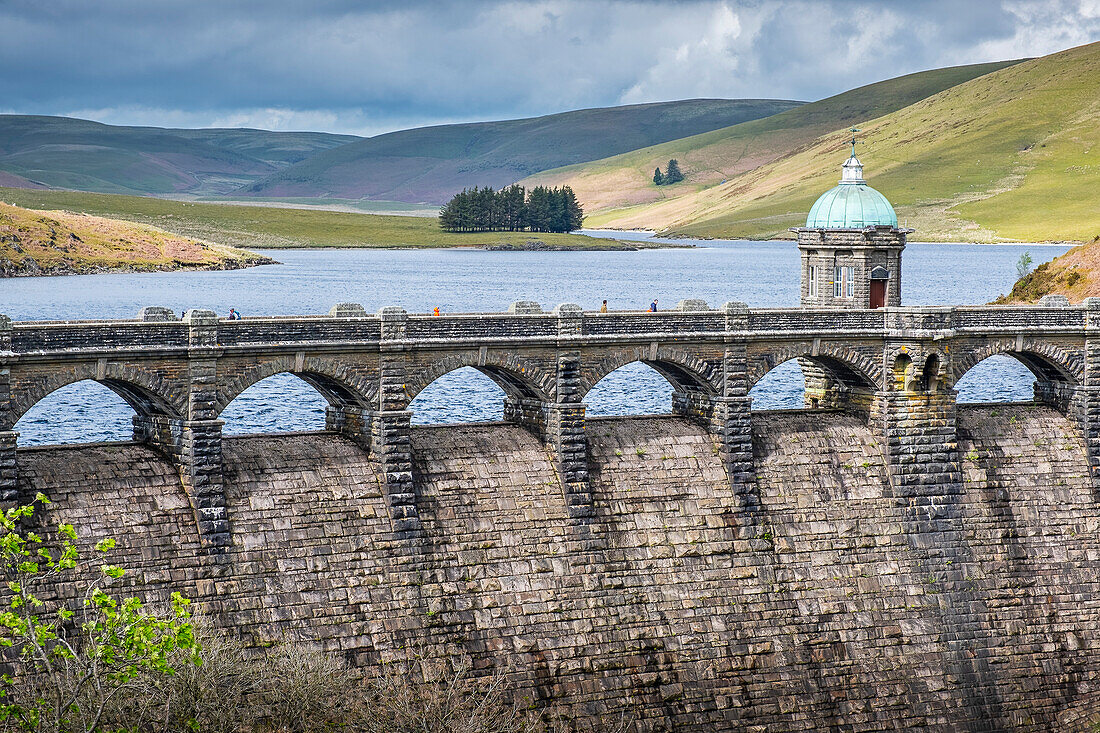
1012, 155
430, 164
619, 191
62, 152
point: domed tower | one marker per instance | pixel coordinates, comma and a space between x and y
851, 246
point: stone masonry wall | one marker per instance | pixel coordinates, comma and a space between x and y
823, 613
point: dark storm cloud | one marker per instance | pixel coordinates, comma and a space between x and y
366, 67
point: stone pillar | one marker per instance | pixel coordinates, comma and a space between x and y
390, 426
194, 442
9, 490
526, 412
822, 391
918, 429
1081, 402
351, 421
731, 411
391, 446
566, 436
564, 418
201, 457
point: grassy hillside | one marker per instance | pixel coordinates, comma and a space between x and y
708, 159
60, 243
1011, 155
261, 227
1076, 275
430, 164
88, 156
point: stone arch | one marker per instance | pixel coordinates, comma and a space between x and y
1047, 362
143, 390
931, 378
335, 381
847, 366
901, 371
683, 370
517, 377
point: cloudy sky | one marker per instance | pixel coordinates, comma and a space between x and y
369, 67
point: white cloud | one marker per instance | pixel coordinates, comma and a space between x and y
368, 67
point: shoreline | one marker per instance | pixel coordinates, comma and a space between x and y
651, 234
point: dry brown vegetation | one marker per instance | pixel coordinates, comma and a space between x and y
292, 687
36, 242
1076, 275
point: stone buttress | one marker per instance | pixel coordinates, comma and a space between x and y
194, 442
389, 426
8, 490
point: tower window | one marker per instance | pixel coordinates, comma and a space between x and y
844, 285
812, 280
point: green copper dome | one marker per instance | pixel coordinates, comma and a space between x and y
852, 204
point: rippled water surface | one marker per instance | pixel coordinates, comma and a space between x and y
311, 281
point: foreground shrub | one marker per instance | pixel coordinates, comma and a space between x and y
68, 667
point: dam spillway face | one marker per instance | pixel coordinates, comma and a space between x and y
836, 604
884, 560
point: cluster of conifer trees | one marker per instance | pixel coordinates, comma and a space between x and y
672, 174
512, 209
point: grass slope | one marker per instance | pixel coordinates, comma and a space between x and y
618, 183
1011, 155
261, 227
430, 164
63, 152
60, 243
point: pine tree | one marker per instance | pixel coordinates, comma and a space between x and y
513, 201
574, 214
657, 177
672, 173
538, 209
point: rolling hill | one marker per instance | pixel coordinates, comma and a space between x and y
60, 243
429, 164
1012, 155
709, 159
62, 152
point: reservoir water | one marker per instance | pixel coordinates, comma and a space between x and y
762, 274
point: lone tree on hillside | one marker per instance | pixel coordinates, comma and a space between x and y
512, 209
671, 175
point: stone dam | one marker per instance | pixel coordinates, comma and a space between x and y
882, 560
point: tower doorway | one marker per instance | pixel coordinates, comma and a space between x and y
878, 293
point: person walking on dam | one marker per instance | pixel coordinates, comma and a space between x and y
603, 308
653, 306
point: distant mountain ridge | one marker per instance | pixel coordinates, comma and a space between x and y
430, 164
64, 152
